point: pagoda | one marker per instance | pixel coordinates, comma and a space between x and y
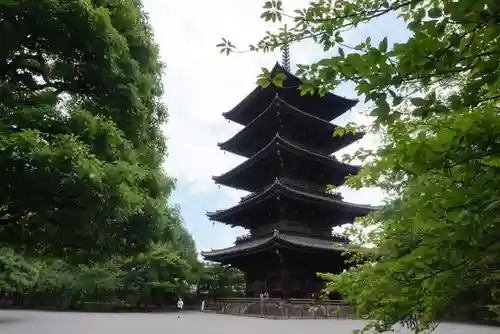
288, 142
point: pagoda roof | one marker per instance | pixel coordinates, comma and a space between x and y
239, 176
238, 144
275, 240
280, 189
332, 105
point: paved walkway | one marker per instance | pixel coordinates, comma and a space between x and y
32, 322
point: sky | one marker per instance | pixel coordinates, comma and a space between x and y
201, 84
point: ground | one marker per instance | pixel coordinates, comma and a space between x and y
32, 322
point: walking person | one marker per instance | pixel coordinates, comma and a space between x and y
180, 306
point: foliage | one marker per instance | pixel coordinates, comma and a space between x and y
221, 281
159, 271
156, 276
434, 99
80, 146
16, 274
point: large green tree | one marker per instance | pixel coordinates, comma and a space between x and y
80, 141
434, 99
157, 276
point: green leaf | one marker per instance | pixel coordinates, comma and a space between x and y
383, 45
341, 52
397, 100
339, 132
418, 101
280, 76
330, 188
278, 82
434, 13
397, 81
263, 82
306, 89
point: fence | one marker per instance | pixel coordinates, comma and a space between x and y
277, 308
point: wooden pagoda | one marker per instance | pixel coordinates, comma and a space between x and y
288, 140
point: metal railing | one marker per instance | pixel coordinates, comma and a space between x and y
277, 308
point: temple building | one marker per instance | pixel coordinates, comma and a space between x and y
288, 142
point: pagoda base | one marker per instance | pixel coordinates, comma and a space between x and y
290, 287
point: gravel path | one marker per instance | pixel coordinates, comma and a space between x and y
33, 322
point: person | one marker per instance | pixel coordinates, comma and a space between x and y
180, 305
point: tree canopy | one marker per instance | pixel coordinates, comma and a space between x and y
80, 142
154, 277
219, 280
434, 99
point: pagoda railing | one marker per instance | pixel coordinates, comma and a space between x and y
251, 236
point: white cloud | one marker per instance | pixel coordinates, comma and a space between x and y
201, 84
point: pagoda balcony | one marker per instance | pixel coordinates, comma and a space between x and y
334, 237
297, 127
325, 107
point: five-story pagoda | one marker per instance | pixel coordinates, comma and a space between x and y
288, 140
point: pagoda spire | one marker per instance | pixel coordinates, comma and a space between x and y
285, 49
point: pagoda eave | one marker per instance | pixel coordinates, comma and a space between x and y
277, 144
280, 112
334, 105
232, 145
333, 202
276, 240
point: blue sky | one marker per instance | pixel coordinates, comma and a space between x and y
200, 84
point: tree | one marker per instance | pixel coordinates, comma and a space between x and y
157, 276
80, 141
221, 281
16, 274
168, 268
434, 99
184, 244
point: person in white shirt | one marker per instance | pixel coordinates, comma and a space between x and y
180, 305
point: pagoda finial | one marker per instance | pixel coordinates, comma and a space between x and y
285, 49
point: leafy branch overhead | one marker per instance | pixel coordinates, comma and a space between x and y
437, 55
434, 99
